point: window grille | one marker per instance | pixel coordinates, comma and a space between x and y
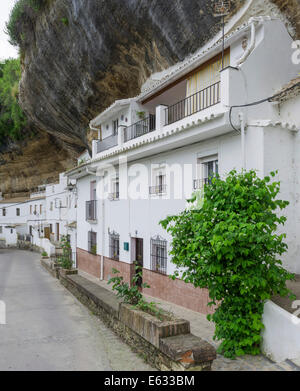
92, 242
159, 255
114, 246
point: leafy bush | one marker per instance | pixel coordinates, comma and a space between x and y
65, 261
44, 254
229, 243
12, 119
21, 13
131, 294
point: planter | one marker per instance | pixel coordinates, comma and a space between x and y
67, 272
150, 327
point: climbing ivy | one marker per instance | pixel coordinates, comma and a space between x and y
229, 243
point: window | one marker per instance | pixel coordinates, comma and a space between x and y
1, 229
41, 209
114, 246
18, 211
31, 209
51, 206
115, 195
158, 248
115, 127
3, 212
92, 242
35, 209
160, 185
208, 169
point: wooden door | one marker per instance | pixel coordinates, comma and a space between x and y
139, 256
47, 233
57, 232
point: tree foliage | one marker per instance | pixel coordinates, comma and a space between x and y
229, 243
12, 119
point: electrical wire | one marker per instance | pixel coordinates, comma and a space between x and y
258, 103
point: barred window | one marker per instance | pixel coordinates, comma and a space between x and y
159, 255
92, 242
114, 246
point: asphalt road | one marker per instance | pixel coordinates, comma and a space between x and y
48, 329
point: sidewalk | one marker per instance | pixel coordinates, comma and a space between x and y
201, 327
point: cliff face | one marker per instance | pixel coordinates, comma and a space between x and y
84, 54
78, 56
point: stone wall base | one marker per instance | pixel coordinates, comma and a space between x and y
150, 353
161, 286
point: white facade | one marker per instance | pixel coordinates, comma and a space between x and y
43, 218
256, 72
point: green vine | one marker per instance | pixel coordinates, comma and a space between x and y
65, 260
230, 244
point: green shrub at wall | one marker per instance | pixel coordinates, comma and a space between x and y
229, 243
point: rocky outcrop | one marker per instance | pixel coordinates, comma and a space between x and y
38, 160
78, 56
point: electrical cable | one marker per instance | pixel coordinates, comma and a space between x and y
257, 103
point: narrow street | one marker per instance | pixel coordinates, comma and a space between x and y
48, 329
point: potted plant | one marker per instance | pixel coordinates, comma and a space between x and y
44, 255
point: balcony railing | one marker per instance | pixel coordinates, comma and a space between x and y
159, 189
199, 183
140, 128
91, 210
114, 196
201, 100
107, 143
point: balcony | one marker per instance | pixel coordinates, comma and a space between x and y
91, 211
114, 196
193, 104
140, 128
107, 143
199, 183
158, 190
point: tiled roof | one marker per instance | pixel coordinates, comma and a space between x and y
288, 91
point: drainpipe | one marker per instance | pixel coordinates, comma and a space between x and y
252, 43
103, 243
241, 117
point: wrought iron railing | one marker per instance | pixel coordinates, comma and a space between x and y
158, 255
159, 189
114, 196
91, 210
140, 128
199, 101
199, 183
107, 143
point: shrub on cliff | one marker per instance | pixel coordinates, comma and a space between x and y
12, 119
229, 243
22, 12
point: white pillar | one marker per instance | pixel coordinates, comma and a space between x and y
160, 117
121, 130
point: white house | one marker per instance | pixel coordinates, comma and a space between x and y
43, 218
154, 150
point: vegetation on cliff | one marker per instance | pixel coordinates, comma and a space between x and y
12, 119
22, 12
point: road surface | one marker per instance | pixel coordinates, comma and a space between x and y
48, 329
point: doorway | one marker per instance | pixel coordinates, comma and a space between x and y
57, 232
139, 256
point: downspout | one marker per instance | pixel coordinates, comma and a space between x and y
243, 143
252, 44
103, 243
